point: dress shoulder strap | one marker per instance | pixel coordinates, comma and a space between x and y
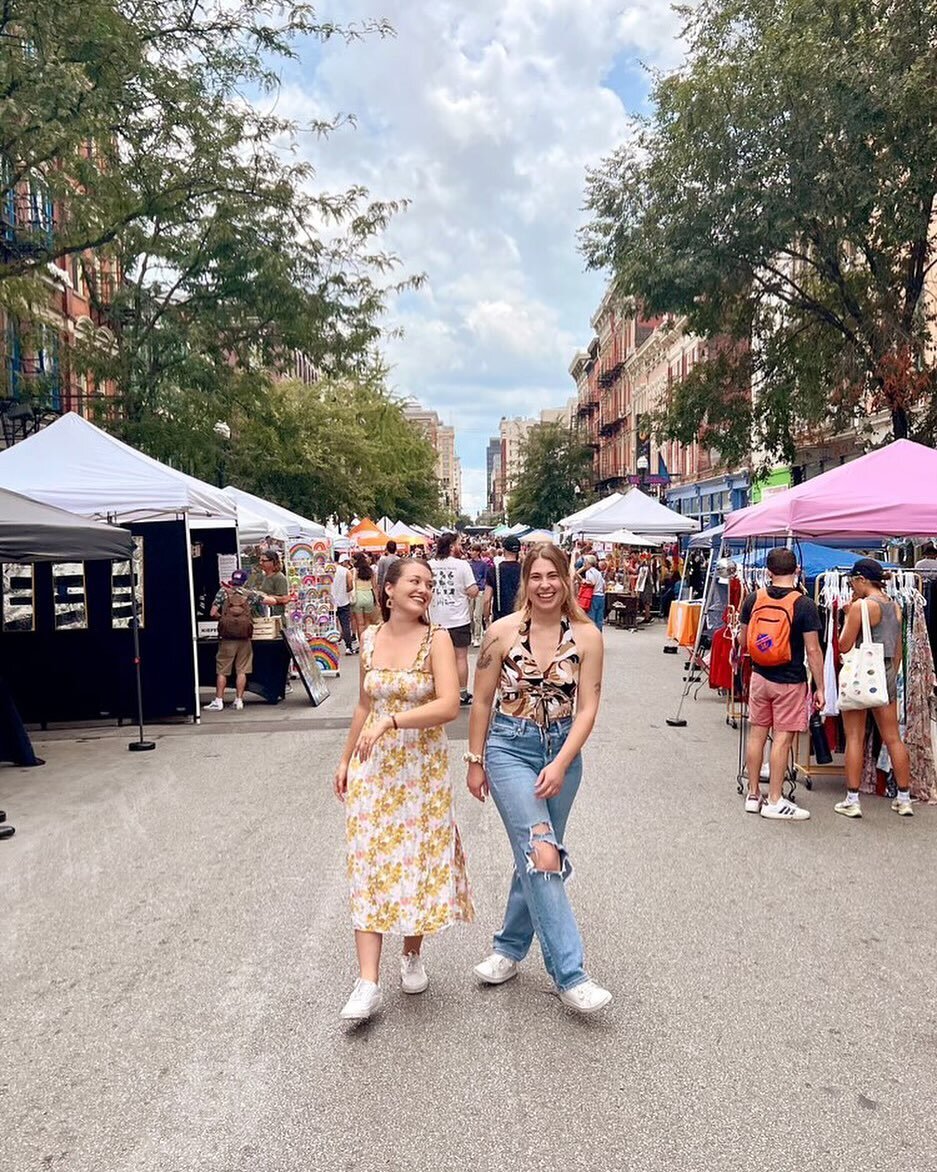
367, 645
425, 648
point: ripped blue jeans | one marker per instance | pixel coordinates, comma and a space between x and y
516, 752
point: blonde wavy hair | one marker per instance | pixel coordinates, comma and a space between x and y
560, 561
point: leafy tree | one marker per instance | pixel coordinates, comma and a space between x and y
555, 463
335, 449
138, 108
781, 196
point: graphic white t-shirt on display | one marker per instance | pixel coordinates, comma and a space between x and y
451, 606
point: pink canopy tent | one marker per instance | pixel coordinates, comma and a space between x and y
888, 493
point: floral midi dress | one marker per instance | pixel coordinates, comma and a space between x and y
406, 866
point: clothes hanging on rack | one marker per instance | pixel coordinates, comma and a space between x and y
920, 706
720, 665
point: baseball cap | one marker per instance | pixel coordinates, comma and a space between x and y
511, 544
869, 569
239, 577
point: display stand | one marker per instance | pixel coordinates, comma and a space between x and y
312, 571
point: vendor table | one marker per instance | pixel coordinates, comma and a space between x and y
271, 667
621, 608
684, 621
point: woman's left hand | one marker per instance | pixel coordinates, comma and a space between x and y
550, 781
369, 735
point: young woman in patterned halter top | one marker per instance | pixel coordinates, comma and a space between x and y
544, 663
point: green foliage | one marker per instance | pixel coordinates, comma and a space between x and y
555, 463
782, 196
335, 449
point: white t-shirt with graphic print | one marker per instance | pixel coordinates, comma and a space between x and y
452, 578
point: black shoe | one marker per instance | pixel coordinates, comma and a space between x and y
31, 764
465, 698
3, 815
7, 831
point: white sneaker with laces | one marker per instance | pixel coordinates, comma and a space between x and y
586, 998
496, 969
215, 706
365, 1000
238, 704
784, 811
413, 978
753, 803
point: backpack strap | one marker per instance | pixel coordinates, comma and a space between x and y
498, 587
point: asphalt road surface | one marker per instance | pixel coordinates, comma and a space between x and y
177, 948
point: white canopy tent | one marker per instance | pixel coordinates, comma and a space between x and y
637, 512
292, 523
255, 527
623, 537
74, 465
574, 519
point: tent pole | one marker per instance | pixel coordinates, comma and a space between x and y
141, 745
677, 721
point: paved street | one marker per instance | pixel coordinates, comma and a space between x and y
177, 950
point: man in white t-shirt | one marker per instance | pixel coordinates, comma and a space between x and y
454, 587
343, 589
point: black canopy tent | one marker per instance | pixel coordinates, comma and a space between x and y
34, 532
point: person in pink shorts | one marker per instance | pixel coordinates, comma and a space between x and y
779, 699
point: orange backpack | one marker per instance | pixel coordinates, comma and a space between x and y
769, 629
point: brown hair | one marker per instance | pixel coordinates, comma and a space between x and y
781, 561
363, 567
394, 571
560, 561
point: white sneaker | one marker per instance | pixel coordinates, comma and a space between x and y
903, 808
496, 969
753, 803
784, 811
365, 1000
238, 704
413, 978
215, 706
586, 998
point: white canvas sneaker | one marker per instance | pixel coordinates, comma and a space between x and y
496, 969
784, 811
413, 978
365, 1000
238, 704
753, 803
586, 998
215, 706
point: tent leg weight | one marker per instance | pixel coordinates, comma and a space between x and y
141, 746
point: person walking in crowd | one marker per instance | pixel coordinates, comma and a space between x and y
926, 564
406, 865
544, 662
502, 581
480, 570
453, 592
386, 559
867, 580
778, 625
364, 604
343, 594
274, 584
593, 580
234, 607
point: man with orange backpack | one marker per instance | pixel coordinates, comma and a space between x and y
780, 625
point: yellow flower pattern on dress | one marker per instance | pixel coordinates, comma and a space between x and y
406, 866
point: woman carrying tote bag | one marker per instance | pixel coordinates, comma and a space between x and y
867, 682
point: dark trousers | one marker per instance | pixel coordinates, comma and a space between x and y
343, 614
15, 744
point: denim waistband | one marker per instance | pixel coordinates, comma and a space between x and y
522, 726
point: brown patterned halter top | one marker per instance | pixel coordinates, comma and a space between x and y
526, 692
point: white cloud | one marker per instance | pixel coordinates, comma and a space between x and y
485, 116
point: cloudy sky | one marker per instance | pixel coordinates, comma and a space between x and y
485, 115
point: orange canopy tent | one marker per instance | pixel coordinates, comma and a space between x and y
367, 535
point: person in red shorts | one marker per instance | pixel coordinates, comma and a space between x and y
780, 626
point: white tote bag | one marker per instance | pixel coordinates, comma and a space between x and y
863, 682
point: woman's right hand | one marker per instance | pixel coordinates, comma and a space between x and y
340, 780
477, 781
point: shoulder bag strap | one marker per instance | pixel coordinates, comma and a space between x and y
866, 625
498, 586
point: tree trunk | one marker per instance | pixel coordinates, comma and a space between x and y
899, 423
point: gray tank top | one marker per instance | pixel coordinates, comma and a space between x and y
888, 629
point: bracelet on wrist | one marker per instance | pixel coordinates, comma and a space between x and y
473, 758
393, 721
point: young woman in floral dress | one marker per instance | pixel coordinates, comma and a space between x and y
406, 866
